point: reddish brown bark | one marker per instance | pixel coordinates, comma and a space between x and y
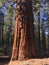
23, 46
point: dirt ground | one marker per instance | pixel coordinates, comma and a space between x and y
44, 61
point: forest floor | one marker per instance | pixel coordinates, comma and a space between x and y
44, 61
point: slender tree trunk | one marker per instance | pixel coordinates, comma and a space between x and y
23, 46
39, 47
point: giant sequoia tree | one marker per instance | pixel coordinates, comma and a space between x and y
23, 46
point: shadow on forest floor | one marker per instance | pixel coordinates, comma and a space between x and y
4, 60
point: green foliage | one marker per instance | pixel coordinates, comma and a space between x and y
36, 5
9, 26
9, 21
3, 2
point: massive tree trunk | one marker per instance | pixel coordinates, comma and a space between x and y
23, 46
